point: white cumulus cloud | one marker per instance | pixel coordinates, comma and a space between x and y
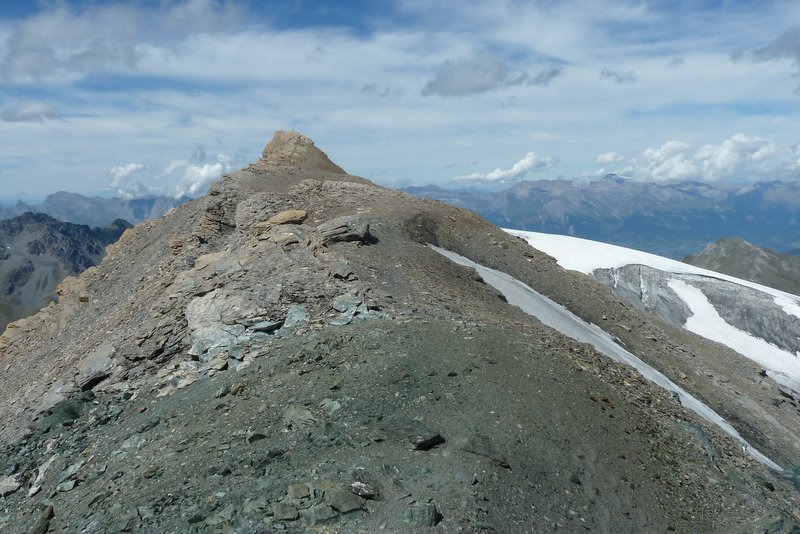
609, 157
532, 162
120, 172
176, 179
740, 158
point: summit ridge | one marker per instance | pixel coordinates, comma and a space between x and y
287, 353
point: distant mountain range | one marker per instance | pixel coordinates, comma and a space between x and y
95, 211
736, 257
37, 252
672, 220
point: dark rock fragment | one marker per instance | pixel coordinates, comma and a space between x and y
148, 424
342, 500
347, 228
422, 437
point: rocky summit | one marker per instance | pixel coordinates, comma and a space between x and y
287, 353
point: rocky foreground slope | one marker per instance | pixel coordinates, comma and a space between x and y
287, 353
739, 258
37, 252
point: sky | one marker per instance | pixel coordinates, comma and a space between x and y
160, 97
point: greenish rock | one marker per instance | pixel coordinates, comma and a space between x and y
296, 316
421, 515
343, 500
298, 491
346, 302
284, 511
66, 486
9, 485
222, 517
267, 326
344, 319
146, 512
40, 526
255, 507
317, 515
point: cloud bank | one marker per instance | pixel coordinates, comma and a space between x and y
68, 41
785, 46
484, 72
395, 91
177, 179
739, 159
532, 162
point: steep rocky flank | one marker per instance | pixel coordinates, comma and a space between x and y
736, 257
286, 353
37, 252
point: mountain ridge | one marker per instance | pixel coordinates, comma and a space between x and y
94, 211
672, 220
288, 352
37, 252
737, 257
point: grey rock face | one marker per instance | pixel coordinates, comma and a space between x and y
647, 289
347, 228
745, 308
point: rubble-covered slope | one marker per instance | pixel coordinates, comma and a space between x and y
288, 353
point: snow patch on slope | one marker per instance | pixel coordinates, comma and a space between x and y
587, 256
790, 306
561, 319
707, 322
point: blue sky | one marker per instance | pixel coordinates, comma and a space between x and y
161, 97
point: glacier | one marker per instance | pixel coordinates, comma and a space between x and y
759, 322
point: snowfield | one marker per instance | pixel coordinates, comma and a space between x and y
587, 256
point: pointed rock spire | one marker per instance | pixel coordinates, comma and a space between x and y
297, 150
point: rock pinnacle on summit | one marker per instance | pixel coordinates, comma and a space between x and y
297, 150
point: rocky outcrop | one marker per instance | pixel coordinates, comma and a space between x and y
291, 149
